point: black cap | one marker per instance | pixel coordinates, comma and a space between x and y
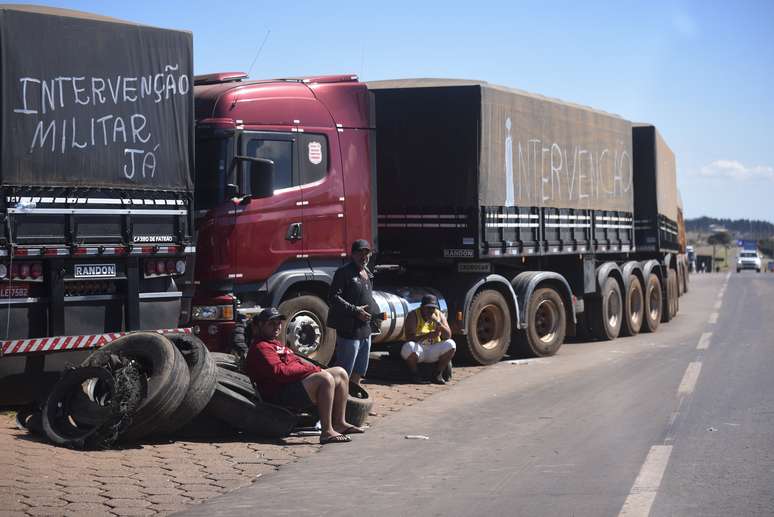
269, 313
360, 244
429, 300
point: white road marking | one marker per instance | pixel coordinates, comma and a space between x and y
689, 379
645, 487
704, 341
718, 304
713, 318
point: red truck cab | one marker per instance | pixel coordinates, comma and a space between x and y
280, 247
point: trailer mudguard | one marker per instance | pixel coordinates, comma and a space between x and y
499, 281
608, 269
649, 267
631, 268
525, 284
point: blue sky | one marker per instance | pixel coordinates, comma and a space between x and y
702, 72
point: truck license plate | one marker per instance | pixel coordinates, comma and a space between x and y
15, 291
95, 270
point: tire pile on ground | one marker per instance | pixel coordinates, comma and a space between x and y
147, 384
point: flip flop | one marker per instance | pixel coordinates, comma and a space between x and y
339, 438
353, 430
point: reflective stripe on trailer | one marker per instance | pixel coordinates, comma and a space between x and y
60, 343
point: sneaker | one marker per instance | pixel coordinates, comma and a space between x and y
447, 372
438, 379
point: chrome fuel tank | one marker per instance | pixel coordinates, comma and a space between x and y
397, 303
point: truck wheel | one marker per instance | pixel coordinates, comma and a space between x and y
634, 308
201, 369
489, 328
306, 331
675, 294
546, 324
652, 303
227, 361
685, 279
668, 311
610, 310
166, 372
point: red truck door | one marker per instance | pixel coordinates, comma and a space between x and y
323, 195
269, 231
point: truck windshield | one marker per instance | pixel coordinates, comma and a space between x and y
211, 171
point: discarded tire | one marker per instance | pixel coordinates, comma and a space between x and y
359, 404
91, 406
70, 416
249, 415
227, 361
31, 420
166, 372
238, 382
203, 379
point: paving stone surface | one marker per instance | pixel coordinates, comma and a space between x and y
160, 477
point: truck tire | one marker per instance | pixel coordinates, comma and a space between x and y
359, 404
652, 303
238, 382
489, 328
675, 293
165, 370
546, 324
202, 372
608, 316
306, 330
668, 310
634, 308
685, 279
227, 361
70, 417
245, 414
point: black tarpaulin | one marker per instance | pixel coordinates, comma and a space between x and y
93, 102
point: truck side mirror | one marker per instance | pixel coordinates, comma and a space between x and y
261, 176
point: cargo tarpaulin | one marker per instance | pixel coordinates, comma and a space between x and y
542, 152
94, 102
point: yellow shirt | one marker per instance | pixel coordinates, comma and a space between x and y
426, 327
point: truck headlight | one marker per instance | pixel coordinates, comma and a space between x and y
213, 312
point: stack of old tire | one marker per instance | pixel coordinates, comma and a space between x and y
146, 384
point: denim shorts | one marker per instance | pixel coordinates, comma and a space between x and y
294, 396
352, 354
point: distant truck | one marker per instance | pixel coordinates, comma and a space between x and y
96, 166
532, 219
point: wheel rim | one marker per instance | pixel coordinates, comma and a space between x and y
654, 301
546, 321
489, 326
635, 306
613, 309
304, 333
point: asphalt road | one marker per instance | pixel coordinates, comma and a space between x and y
680, 422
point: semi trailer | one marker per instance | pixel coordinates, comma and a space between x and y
525, 215
96, 188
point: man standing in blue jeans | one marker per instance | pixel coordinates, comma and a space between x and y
350, 299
